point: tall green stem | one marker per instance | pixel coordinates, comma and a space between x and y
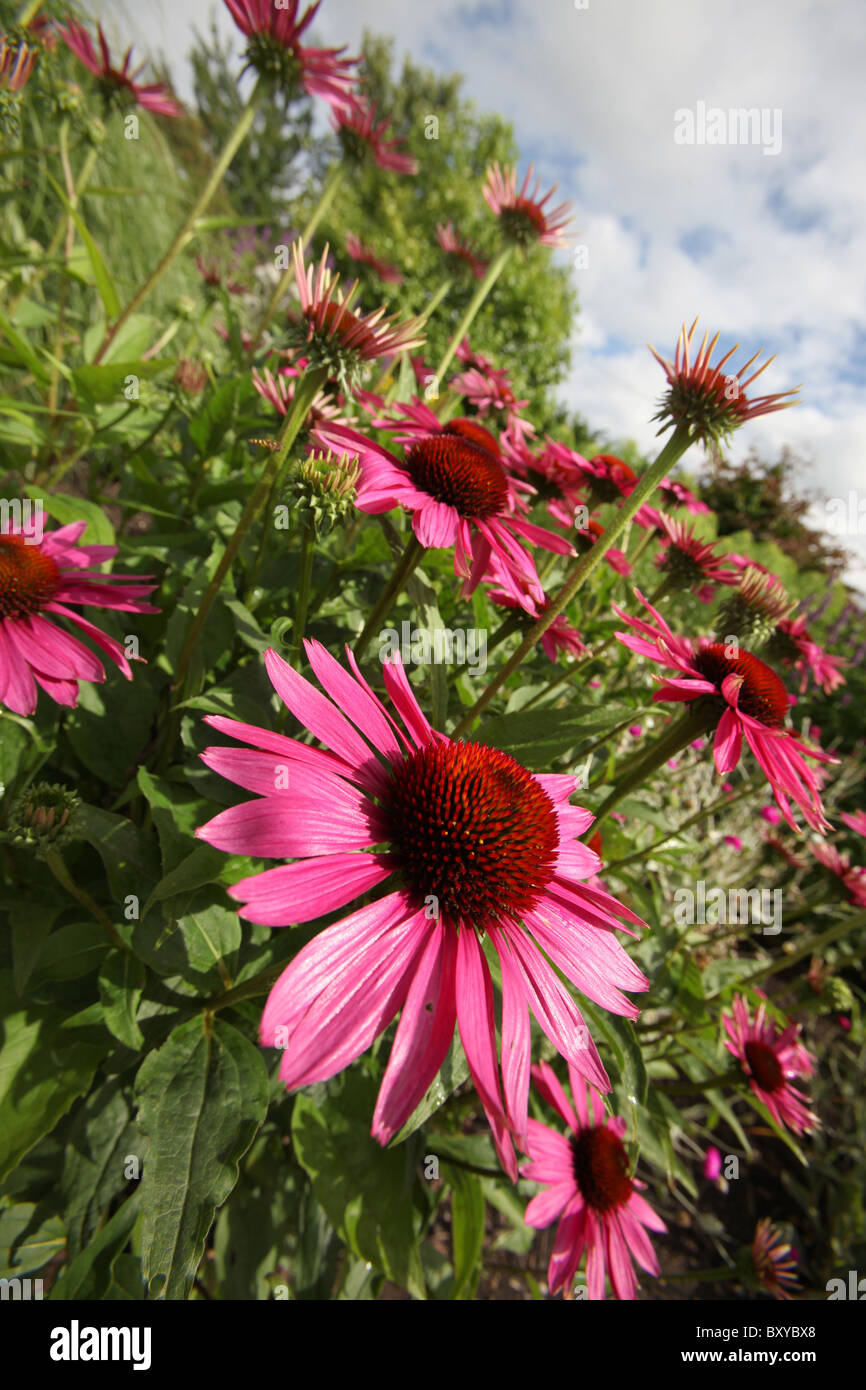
307, 551
694, 722
187, 229
305, 393
494, 271
585, 566
410, 558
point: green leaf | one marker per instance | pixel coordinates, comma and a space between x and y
26, 1242
468, 1211
103, 281
90, 1273
71, 952
211, 935
202, 1096
536, 737
41, 1074
106, 382
452, 1073
364, 1189
99, 1141
99, 530
121, 984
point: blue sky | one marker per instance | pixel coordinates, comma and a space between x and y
769, 248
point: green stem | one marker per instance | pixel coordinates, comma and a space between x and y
688, 1088
55, 863
408, 561
691, 725
329, 192
305, 392
308, 539
187, 230
585, 566
814, 946
494, 271
722, 801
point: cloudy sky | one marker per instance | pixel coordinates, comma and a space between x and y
765, 240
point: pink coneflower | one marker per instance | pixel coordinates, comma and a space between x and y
490, 390
712, 1167
851, 879
855, 820
691, 563
555, 473
360, 135
274, 50
678, 495
522, 214
792, 643
213, 277
463, 840
774, 1260
458, 493
599, 1206
339, 338
38, 578
712, 402
279, 392
751, 701
117, 81
454, 245
769, 1060
16, 65
364, 256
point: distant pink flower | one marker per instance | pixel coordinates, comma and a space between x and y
459, 495
454, 245
522, 213
635, 730
275, 50
279, 392
588, 1188
585, 538
851, 879
16, 65
38, 582
559, 637
610, 478
689, 560
155, 97
770, 1060
774, 1261
752, 703
355, 248
490, 390
793, 643
463, 840
771, 814
358, 132
734, 842
712, 1164
855, 820
680, 496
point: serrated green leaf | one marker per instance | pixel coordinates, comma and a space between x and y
202, 1096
